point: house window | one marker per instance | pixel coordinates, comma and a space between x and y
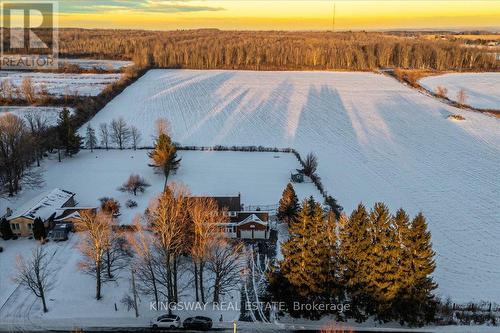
15, 226
30, 226
229, 229
232, 214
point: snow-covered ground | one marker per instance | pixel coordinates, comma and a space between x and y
49, 113
482, 89
93, 175
376, 140
63, 84
95, 63
259, 177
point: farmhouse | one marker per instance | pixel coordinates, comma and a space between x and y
45, 206
244, 225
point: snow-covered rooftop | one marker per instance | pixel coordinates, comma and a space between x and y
44, 205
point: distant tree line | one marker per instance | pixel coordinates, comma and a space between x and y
273, 50
377, 262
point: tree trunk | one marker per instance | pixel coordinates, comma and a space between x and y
202, 292
216, 289
108, 266
196, 281
98, 281
176, 298
155, 288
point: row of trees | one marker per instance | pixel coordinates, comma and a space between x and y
273, 50
380, 264
117, 133
178, 236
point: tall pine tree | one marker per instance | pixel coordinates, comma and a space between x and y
355, 246
69, 140
415, 303
5, 229
39, 232
383, 260
289, 205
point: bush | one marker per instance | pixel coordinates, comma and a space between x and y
131, 204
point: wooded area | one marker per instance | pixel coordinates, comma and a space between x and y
273, 50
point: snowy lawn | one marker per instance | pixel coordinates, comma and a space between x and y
482, 89
50, 113
260, 177
63, 84
95, 63
376, 140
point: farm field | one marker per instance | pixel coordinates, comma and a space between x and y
95, 63
482, 89
95, 175
376, 140
63, 84
50, 113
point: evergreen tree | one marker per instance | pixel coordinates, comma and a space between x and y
289, 205
334, 288
5, 229
90, 138
164, 155
355, 246
383, 260
39, 232
67, 136
415, 303
307, 256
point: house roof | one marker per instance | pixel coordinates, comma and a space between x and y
252, 218
263, 216
231, 203
44, 205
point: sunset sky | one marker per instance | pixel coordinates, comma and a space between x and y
277, 14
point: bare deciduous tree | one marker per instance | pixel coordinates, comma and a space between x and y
28, 90
205, 217
16, 155
36, 274
225, 262
146, 260
104, 133
135, 136
441, 91
37, 124
134, 184
97, 230
168, 220
120, 132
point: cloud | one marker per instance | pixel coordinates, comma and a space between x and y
140, 6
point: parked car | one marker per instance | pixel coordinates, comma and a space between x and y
198, 323
166, 321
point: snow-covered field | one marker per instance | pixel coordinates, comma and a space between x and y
376, 140
482, 89
49, 113
95, 63
99, 174
63, 84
